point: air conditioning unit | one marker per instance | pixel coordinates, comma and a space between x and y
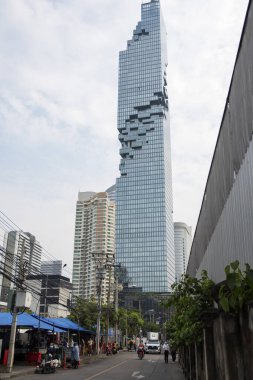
23, 299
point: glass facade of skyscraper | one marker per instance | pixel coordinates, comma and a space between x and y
144, 223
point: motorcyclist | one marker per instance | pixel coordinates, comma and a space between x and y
108, 349
141, 348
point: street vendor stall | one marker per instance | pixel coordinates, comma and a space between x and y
27, 346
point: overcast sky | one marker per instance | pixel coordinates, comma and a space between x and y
58, 103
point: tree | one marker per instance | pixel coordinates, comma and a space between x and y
131, 321
122, 319
150, 326
85, 313
134, 323
190, 298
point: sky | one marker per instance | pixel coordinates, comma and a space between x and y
58, 103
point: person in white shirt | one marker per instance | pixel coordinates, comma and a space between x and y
166, 349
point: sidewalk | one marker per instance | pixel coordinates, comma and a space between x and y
18, 370
24, 368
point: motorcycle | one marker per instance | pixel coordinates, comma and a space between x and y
48, 364
108, 350
140, 354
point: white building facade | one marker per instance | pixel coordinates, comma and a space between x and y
94, 244
183, 241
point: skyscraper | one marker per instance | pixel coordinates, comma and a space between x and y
111, 191
94, 242
183, 241
144, 223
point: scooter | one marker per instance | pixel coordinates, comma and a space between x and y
48, 364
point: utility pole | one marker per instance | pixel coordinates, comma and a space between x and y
12, 337
116, 305
45, 299
103, 263
108, 305
110, 264
101, 272
126, 328
21, 279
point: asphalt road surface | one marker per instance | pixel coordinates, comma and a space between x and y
122, 366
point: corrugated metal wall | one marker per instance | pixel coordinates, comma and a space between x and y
225, 226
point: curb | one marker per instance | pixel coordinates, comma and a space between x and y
4, 375
29, 370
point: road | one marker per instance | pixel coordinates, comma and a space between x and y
123, 366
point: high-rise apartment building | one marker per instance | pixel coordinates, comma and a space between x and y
144, 223
94, 244
183, 241
20, 247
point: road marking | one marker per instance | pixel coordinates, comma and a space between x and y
135, 374
106, 370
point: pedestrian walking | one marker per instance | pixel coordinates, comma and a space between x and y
75, 356
90, 344
166, 349
173, 353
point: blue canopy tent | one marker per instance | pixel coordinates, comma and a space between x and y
64, 323
27, 320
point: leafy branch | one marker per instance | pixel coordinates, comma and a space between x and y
237, 290
190, 298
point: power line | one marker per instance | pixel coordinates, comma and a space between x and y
9, 267
8, 227
7, 224
15, 261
